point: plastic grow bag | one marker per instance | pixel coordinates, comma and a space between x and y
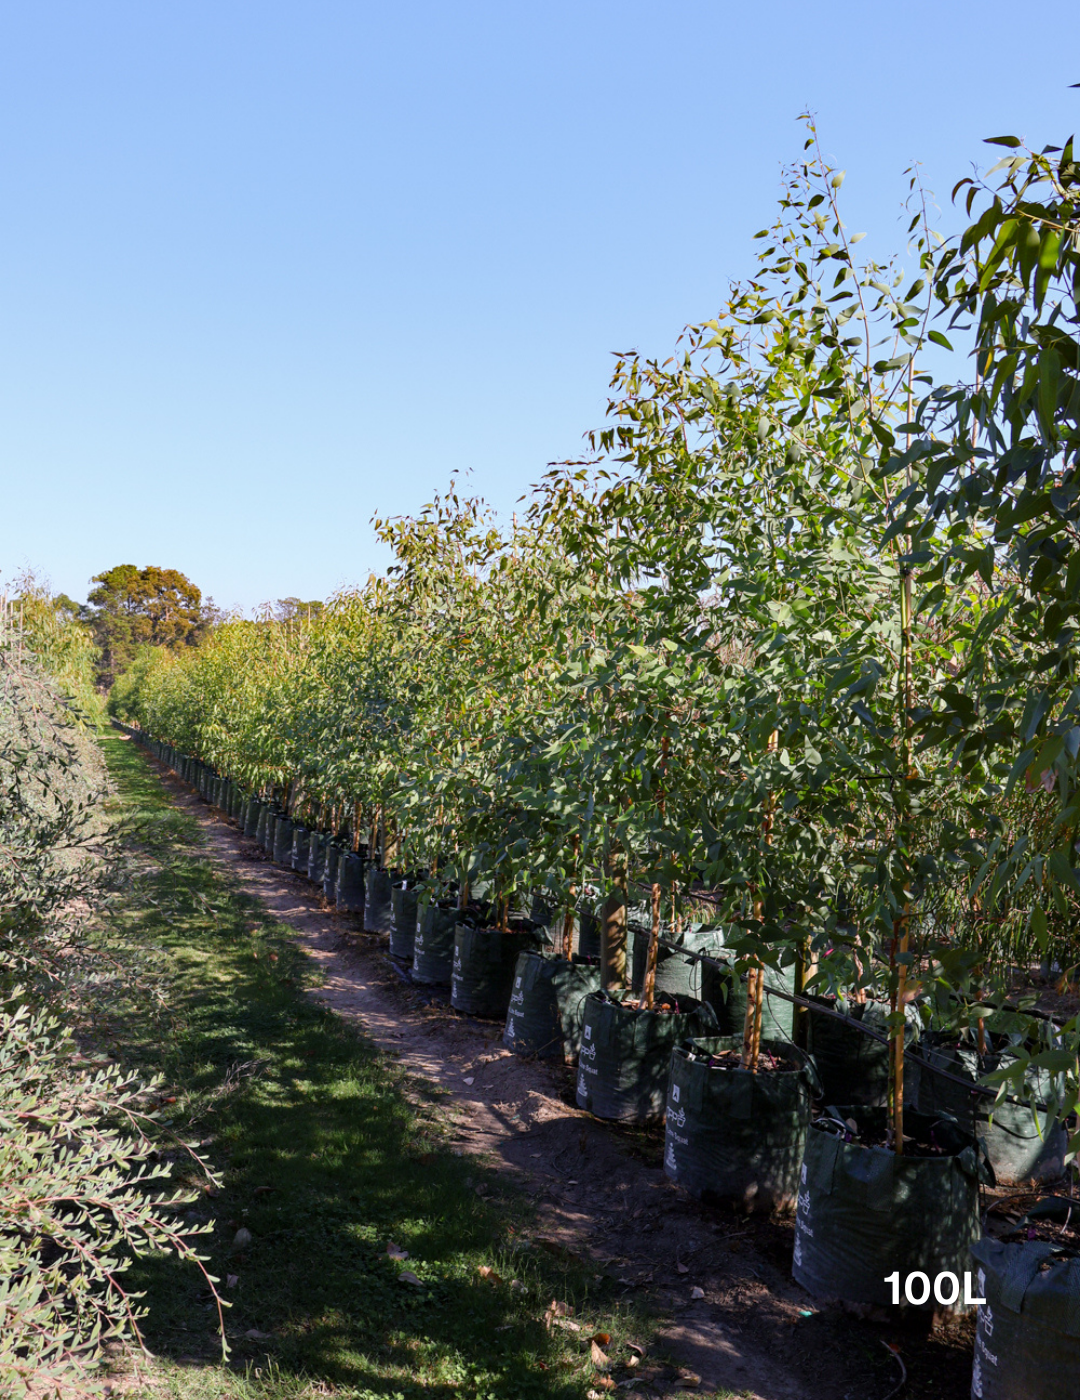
854, 1068
482, 977
317, 843
433, 947
865, 1213
256, 810
334, 851
677, 974
301, 844
403, 928
1019, 1146
725, 991
625, 1054
283, 830
378, 902
547, 1005
350, 883
731, 1134
264, 832
1027, 1334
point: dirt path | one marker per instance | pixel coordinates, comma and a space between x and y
738, 1321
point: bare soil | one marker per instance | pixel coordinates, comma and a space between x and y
720, 1278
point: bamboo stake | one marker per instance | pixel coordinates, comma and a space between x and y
613, 929
568, 918
755, 981
649, 988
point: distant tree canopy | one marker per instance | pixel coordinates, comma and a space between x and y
132, 607
289, 608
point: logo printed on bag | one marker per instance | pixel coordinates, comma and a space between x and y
674, 1093
679, 1118
588, 1032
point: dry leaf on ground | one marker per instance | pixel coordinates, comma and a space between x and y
599, 1356
395, 1251
256, 1336
487, 1273
696, 1292
407, 1276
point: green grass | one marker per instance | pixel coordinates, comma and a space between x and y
325, 1153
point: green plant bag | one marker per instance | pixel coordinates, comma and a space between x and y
625, 1054
725, 992
301, 848
334, 851
547, 1005
482, 977
1027, 1334
349, 894
378, 899
317, 844
406, 901
1021, 1147
730, 1134
433, 948
676, 974
283, 831
854, 1068
256, 812
864, 1212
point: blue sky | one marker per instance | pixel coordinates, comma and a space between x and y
267, 269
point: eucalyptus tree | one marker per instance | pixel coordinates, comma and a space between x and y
1000, 479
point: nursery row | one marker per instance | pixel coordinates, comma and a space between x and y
806, 1125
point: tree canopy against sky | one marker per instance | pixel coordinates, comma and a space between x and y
132, 607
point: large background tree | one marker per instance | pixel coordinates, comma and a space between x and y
133, 607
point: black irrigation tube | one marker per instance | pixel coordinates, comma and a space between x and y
817, 1010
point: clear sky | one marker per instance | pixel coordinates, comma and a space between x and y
269, 268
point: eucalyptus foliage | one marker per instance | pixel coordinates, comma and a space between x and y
791, 648
79, 1190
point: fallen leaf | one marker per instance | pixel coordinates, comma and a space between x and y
633, 1346
262, 1190
407, 1276
516, 1286
242, 1238
599, 1358
602, 1339
469, 1080
688, 1380
681, 1268
257, 1336
560, 1309
488, 1273
395, 1251
696, 1292
231, 1280
633, 1361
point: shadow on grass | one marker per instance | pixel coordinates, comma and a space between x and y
325, 1159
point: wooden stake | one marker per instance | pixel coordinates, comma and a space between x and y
648, 990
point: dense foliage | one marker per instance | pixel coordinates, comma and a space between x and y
794, 643
78, 1191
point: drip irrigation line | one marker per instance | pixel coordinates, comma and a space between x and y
815, 1009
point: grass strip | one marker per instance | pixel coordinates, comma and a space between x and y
328, 1154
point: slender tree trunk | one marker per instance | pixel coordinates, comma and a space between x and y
648, 991
901, 925
568, 918
755, 981
613, 927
